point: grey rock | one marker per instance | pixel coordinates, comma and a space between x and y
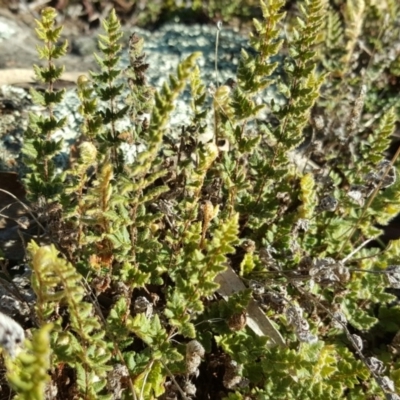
164, 49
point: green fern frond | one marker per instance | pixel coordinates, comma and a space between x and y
39, 148
354, 16
28, 373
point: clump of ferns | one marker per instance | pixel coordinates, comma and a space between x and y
303, 239
335, 284
328, 221
326, 215
355, 190
338, 212
322, 288
359, 51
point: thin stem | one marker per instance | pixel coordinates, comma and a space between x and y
219, 27
171, 375
356, 250
370, 200
25, 206
348, 335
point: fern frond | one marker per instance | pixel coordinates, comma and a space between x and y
354, 17
28, 373
39, 148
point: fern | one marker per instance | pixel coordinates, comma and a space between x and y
177, 253
40, 148
28, 374
88, 355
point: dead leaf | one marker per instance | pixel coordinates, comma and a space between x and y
22, 76
257, 321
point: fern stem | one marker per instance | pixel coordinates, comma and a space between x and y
369, 202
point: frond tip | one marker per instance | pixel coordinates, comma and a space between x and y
27, 374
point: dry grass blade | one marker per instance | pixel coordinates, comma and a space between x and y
257, 321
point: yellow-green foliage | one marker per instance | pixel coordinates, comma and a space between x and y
39, 150
28, 374
130, 283
56, 282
